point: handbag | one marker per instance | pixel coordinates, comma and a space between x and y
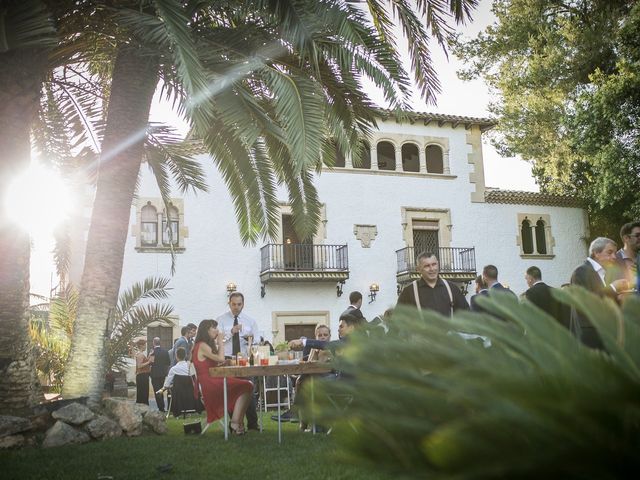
193, 428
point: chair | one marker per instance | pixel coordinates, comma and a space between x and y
182, 400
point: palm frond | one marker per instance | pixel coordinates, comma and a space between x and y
533, 403
26, 24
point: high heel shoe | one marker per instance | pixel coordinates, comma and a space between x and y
236, 428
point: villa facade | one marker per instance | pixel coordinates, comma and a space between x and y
420, 187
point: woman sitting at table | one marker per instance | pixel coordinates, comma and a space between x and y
208, 352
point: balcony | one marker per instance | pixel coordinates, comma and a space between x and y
303, 262
457, 264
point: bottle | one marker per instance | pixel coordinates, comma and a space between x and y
251, 358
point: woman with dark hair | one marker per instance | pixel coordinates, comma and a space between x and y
208, 352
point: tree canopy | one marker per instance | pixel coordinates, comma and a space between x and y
568, 78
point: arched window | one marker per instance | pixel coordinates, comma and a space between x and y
149, 226
170, 230
410, 158
434, 159
364, 159
386, 156
527, 237
541, 239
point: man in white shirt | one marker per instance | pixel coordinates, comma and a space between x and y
591, 276
180, 368
237, 328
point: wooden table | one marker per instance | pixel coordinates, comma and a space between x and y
267, 371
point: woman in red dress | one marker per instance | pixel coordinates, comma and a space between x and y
208, 352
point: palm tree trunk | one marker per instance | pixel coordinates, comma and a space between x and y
134, 80
20, 82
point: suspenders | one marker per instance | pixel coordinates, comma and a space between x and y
447, 286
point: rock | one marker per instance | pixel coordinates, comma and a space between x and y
41, 421
156, 420
142, 408
63, 434
11, 441
10, 425
103, 427
74, 413
125, 413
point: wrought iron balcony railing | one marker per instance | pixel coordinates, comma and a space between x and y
453, 261
285, 261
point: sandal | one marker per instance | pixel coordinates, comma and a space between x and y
236, 428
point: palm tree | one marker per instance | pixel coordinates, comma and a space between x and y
27, 32
267, 85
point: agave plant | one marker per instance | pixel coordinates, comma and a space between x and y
526, 400
52, 338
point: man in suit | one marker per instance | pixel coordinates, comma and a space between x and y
592, 276
539, 293
159, 370
187, 333
355, 299
490, 279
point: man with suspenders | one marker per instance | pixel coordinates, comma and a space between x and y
430, 292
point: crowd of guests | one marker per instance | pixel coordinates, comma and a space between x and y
607, 272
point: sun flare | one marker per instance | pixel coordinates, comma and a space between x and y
38, 200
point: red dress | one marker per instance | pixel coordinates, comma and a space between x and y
213, 387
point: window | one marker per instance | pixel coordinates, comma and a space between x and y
435, 162
364, 159
410, 158
149, 226
170, 230
159, 228
534, 235
339, 157
527, 238
386, 156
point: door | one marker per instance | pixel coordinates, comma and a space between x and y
298, 255
425, 237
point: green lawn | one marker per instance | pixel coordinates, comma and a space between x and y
255, 456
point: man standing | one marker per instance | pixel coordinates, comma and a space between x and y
490, 279
236, 328
539, 293
592, 276
430, 292
159, 370
185, 341
355, 298
625, 266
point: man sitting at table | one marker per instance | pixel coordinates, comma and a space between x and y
348, 323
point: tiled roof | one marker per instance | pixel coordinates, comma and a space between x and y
441, 118
531, 198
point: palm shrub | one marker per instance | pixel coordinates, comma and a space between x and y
528, 401
136, 310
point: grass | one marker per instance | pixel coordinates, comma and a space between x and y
254, 455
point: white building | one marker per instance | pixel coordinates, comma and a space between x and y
421, 188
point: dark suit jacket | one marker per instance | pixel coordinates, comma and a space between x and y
161, 363
585, 276
486, 292
540, 295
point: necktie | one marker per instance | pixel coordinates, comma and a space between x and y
235, 338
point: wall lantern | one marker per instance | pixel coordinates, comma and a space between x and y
374, 288
231, 287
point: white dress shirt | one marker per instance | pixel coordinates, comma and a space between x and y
598, 268
180, 368
249, 327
